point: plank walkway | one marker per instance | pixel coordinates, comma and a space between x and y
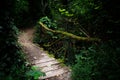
38, 57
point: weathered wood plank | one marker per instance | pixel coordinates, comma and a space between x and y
54, 73
48, 64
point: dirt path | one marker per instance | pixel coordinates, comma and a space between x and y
38, 57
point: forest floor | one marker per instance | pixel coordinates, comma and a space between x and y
36, 56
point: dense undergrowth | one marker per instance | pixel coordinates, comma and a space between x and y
97, 62
87, 18
13, 65
88, 60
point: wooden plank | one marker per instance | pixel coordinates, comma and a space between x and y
47, 64
51, 68
43, 60
54, 73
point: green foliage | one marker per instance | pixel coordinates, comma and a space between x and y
12, 62
48, 22
82, 7
35, 73
21, 16
84, 18
64, 12
54, 6
83, 69
97, 63
49, 35
107, 62
20, 6
95, 17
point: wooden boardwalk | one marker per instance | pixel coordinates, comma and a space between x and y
38, 57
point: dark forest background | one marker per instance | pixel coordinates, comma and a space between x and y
89, 60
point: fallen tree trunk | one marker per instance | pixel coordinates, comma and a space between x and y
69, 34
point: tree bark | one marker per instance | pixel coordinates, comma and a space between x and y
69, 34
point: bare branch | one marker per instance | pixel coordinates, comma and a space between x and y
69, 34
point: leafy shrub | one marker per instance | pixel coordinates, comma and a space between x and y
39, 34
83, 69
48, 22
35, 73
98, 63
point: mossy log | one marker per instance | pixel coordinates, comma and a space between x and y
69, 34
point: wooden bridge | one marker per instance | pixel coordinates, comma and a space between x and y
38, 57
